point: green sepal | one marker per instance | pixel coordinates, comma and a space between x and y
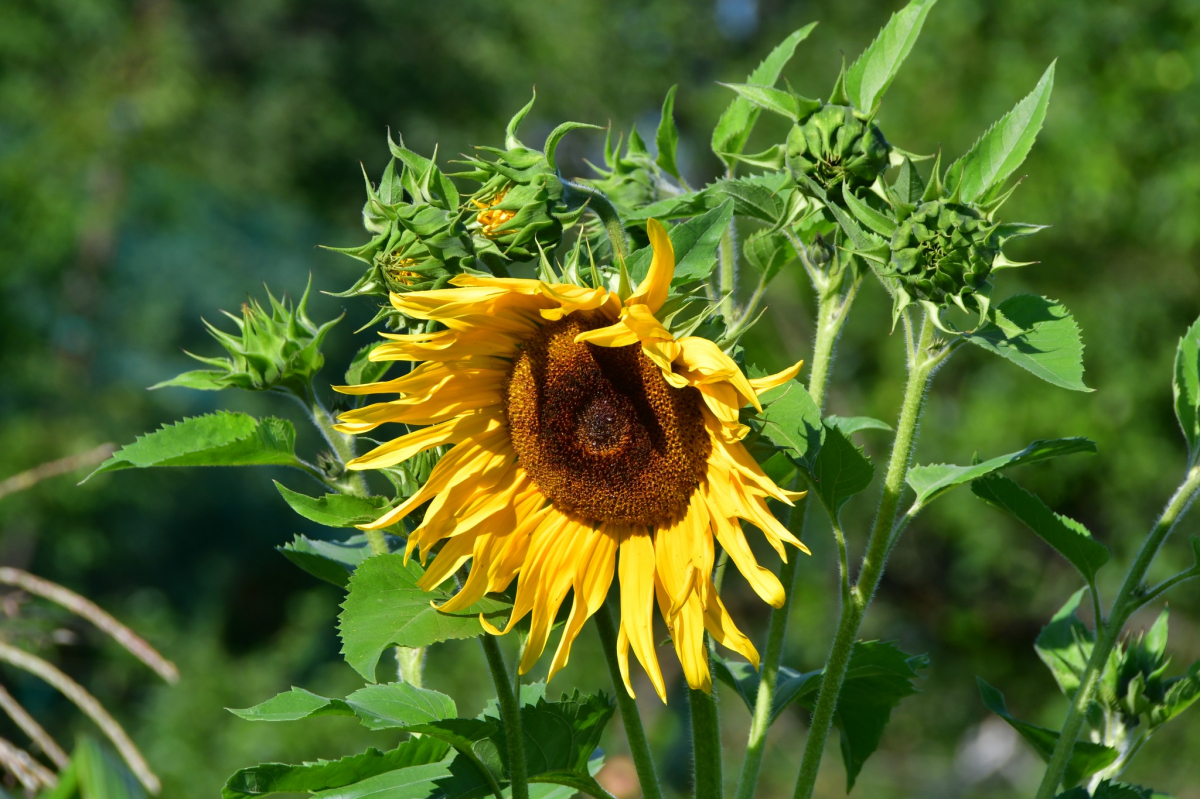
511, 142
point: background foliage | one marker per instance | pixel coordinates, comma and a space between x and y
158, 157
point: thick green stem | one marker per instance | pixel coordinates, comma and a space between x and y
1128, 600
579, 194
832, 310
706, 745
727, 285
920, 369
350, 482
410, 665
639, 749
510, 716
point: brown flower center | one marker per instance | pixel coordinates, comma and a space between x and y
600, 431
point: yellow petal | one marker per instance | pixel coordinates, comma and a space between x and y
761, 384
593, 576
704, 362
636, 566
615, 335
451, 432
733, 540
721, 627
687, 634
652, 291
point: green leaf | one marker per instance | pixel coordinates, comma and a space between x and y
384, 608
399, 704
584, 783
737, 121
1187, 387
853, 424
792, 421
363, 370
217, 439
198, 379
332, 561
1003, 148
1068, 537
1086, 759
333, 510
556, 136
872, 72
1039, 335
695, 242
427, 173
414, 782
875, 220
841, 471
322, 775
1113, 790
784, 103
101, 775
930, 482
294, 705
1065, 645
878, 676
768, 253
667, 136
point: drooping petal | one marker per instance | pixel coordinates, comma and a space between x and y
721, 627
768, 382
652, 291
593, 576
401, 449
636, 564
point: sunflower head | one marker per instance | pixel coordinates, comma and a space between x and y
944, 252
587, 441
837, 144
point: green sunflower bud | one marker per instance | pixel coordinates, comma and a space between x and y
944, 252
836, 144
276, 349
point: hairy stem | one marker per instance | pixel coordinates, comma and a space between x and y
351, 482
706, 745
920, 369
832, 310
1127, 601
510, 716
578, 194
639, 748
727, 277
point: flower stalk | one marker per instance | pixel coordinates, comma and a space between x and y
924, 358
1129, 599
706, 745
510, 716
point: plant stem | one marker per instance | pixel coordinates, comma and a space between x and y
1128, 600
578, 194
706, 745
727, 285
920, 369
832, 311
510, 716
639, 749
342, 445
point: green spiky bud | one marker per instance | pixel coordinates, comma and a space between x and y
944, 252
275, 348
631, 180
836, 144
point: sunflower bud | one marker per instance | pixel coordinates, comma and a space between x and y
835, 144
275, 349
632, 180
944, 251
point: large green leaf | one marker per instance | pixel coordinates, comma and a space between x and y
1068, 537
323, 775
293, 705
102, 775
384, 608
768, 252
333, 510
1086, 758
841, 471
1002, 149
930, 482
1186, 386
1039, 335
414, 782
737, 121
217, 439
792, 421
399, 704
695, 243
873, 71
878, 676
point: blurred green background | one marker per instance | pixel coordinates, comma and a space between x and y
160, 159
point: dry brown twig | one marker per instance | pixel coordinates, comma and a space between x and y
31, 774
31, 477
30, 727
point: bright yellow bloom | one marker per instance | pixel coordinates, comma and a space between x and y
586, 440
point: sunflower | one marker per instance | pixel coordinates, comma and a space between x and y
585, 440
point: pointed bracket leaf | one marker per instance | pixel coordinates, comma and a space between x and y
872, 72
